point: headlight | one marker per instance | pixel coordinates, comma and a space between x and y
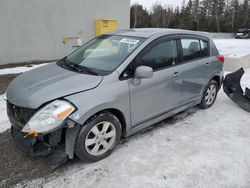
49, 118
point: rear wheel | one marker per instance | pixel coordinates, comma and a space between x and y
97, 139
209, 95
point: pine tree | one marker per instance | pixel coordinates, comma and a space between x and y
245, 10
196, 14
235, 11
205, 15
186, 16
139, 17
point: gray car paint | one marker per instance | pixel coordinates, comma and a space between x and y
139, 104
150, 99
36, 87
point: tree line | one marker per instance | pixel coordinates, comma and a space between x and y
202, 15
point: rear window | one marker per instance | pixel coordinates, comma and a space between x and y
194, 49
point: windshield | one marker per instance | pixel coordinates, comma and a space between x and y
104, 53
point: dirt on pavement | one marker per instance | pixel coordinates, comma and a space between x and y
5, 80
16, 167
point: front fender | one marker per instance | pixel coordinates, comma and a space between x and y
114, 95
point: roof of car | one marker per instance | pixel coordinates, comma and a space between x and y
148, 32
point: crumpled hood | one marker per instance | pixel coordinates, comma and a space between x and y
46, 83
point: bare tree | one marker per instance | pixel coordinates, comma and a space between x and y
136, 13
167, 16
157, 15
206, 15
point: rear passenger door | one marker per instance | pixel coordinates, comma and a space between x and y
195, 66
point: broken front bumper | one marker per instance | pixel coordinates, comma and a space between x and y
43, 145
23, 144
232, 88
58, 146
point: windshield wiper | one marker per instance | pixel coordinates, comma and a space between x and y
66, 65
78, 68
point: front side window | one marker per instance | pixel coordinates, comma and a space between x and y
194, 49
103, 54
159, 56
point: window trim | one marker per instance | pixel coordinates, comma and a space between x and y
180, 61
154, 45
197, 38
149, 46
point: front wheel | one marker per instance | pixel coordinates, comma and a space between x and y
209, 95
97, 139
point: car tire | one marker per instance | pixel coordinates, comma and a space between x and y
209, 95
98, 137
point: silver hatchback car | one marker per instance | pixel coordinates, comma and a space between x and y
111, 87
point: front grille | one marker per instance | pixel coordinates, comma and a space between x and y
19, 116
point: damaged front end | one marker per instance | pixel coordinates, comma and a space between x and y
232, 88
53, 139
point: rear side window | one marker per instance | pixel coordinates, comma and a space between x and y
159, 56
194, 49
215, 51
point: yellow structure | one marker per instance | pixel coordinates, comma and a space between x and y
66, 39
104, 26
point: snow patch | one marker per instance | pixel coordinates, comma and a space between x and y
4, 121
209, 148
233, 48
18, 70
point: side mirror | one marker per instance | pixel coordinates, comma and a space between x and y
144, 72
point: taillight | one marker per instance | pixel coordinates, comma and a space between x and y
220, 58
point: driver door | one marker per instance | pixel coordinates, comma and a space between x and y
155, 96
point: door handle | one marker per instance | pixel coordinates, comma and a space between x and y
208, 64
176, 74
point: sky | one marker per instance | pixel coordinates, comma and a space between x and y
148, 3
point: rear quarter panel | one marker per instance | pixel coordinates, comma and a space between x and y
216, 65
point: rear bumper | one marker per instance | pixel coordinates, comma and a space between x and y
232, 88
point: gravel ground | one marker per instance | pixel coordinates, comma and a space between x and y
202, 148
17, 168
5, 80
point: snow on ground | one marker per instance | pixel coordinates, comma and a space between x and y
4, 121
209, 148
234, 48
18, 70
15, 70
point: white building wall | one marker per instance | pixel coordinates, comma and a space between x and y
34, 29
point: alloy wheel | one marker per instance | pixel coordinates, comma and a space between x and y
100, 138
210, 94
